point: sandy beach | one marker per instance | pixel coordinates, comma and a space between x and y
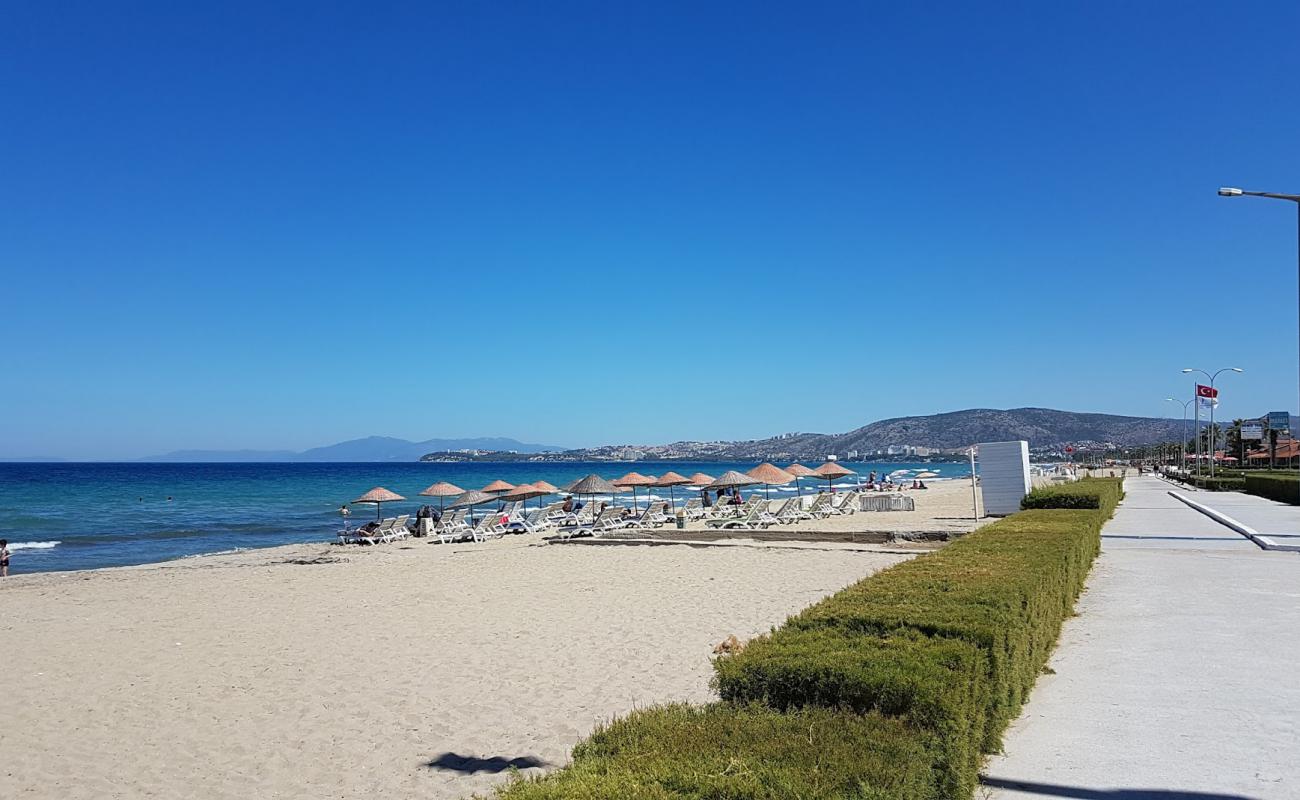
412, 669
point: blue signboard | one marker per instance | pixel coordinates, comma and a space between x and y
1279, 421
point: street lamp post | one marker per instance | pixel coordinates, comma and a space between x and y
1182, 450
1228, 191
1214, 442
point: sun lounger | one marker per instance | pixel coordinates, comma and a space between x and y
750, 516
534, 521
580, 525
820, 506
372, 536
789, 513
694, 508
490, 526
399, 529
848, 504
454, 526
650, 517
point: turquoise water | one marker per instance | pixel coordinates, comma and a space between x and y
82, 516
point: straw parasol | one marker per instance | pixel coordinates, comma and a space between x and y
701, 480
799, 471
731, 479
635, 480
548, 487
442, 490
832, 470
770, 475
525, 492
378, 496
470, 499
592, 485
922, 476
497, 487
671, 479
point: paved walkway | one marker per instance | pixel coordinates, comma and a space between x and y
1268, 517
1177, 681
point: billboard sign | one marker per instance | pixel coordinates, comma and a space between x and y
1279, 421
1252, 433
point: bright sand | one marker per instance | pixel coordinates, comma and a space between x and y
250, 675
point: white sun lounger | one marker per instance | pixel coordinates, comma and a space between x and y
750, 517
848, 503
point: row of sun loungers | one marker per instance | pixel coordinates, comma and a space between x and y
755, 513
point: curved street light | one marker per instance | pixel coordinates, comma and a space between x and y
1182, 448
1213, 402
1231, 191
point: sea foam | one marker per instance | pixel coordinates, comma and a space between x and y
32, 545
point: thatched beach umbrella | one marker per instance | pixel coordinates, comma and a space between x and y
634, 480
378, 496
497, 487
832, 470
546, 486
799, 471
669, 480
770, 475
442, 490
592, 485
701, 480
470, 499
731, 479
525, 492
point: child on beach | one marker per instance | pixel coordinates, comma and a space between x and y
4, 558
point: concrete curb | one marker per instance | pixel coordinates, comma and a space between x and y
1245, 530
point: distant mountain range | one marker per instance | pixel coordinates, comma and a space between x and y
1043, 428
371, 448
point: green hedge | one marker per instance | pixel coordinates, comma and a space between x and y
937, 684
891, 688
1088, 493
721, 751
1225, 483
1285, 488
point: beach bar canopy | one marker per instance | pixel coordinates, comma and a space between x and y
442, 490
378, 495
832, 470
770, 475
634, 481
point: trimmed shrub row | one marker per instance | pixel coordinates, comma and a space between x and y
1090, 493
724, 751
891, 688
1282, 487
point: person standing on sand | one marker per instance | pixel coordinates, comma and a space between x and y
4, 558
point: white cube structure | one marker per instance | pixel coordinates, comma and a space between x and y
1004, 475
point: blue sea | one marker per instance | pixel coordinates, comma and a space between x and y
83, 516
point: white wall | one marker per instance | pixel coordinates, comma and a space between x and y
1004, 475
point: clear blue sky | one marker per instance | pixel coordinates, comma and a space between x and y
253, 225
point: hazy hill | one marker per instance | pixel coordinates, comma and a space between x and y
371, 448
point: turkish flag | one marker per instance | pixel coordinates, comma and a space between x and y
1206, 391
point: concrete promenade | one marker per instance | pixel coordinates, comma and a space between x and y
1178, 678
